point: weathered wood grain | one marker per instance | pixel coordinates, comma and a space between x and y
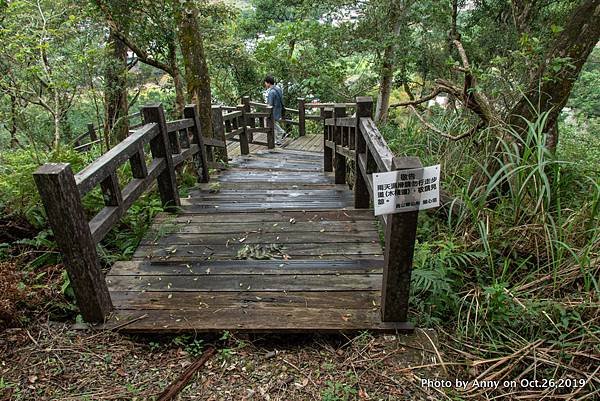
160, 147
400, 236
362, 198
248, 267
266, 319
60, 196
213, 300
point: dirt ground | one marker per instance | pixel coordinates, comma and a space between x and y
54, 361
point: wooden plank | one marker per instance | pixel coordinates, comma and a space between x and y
306, 250
232, 134
273, 319
208, 141
273, 217
214, 300
232, 175
102, 167
281, 238
208, 207
277, 185
186, 154
345, 122
240, 267
258, 197
178, 125
376, 144
243, 282
258, 114
102, 222
313, 117
312, 157
292, 193
279, 166
159, 229
231, 115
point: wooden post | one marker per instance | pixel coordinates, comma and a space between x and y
200, 159
302, 116
339, 110
364, 108
139, 169
92, 132
249, 121
270, 128
327, 151
60, 196
400, 235
219, 132
160, 148
244, 146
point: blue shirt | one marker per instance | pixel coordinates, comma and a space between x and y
275, 99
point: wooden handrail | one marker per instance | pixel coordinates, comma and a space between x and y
358, 140
62, 191
312, 105
106, 164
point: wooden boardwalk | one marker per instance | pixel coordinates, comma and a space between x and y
310, 143
322, 260
276, 241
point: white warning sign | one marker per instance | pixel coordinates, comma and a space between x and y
406, 190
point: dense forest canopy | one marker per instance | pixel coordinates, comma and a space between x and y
505, 95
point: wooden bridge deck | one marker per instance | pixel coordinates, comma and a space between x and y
310, 143
320, 266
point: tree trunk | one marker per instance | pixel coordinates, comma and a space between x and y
554, 79
194, 60
116, 126
387, 71
14, 142
177, 82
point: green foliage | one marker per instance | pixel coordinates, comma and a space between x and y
338, 392
18, 193
190, 344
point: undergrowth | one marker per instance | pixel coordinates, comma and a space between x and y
510, 272
38, 282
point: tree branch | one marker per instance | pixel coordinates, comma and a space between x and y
142, 54
424, 99
442, 133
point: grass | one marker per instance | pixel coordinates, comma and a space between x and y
510, 278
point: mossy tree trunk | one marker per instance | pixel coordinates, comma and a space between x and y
551, 86
116, 126
196, 68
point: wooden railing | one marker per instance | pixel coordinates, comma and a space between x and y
231, 123
357, 139
93, 135
61, 191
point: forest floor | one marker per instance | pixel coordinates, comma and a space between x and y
57, 361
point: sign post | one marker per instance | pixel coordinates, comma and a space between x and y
400, 194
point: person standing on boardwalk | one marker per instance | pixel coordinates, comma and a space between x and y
275, 99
